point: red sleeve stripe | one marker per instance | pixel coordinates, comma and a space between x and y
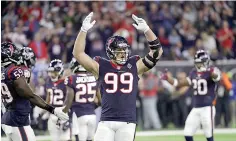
9, 71
70, 79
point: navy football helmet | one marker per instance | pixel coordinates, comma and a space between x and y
29, 58
76, 67
201, 60
55, 69
10, 54
118, 49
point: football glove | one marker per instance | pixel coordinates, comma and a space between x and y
60, 114
63, 124
141, 24
87, 24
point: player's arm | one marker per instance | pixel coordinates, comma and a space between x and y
69, 98
98, 98
25, 91
48, 97
173, 81
87, 62
150, 60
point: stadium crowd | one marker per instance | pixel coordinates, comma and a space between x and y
50, 29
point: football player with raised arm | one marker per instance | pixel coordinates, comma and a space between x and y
118, 79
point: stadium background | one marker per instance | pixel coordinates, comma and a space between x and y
50, 29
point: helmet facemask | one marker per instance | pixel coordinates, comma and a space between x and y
121, 55
201, 64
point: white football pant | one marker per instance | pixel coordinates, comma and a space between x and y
56, 133
200, 116
24, 133
115, 131
86, 127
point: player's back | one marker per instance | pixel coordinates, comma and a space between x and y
204, 88
85, 87
118, 86
17, 108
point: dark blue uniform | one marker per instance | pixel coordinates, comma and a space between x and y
17, 108
119, 88
204, 88
57, 92
84, 86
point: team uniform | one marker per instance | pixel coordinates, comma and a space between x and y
118, 117
84, 118
203, 99
57, 93
16, 120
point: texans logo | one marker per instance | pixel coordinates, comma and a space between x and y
110, 41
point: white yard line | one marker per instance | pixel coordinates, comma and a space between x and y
156, 133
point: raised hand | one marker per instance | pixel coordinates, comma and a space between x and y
87, 24
141, 24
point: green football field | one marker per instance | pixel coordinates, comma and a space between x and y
217, 137
168, 135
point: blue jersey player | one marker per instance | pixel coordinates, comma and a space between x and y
56, 95
82, 91
203, 79
17, 96
118, 79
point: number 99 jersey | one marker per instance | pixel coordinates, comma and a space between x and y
18, 108
85, 87
119, 88
204, 88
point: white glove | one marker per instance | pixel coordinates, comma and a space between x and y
60, 114
87, 23
141, 24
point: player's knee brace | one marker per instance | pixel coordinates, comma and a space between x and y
150, 61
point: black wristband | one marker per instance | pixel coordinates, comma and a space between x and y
147, 64
49, 108
155, 44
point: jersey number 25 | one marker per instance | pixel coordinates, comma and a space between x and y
85, 88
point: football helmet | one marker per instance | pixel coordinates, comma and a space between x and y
76, 67
118, 49
55, 70
10, 54
201, 60
29, 58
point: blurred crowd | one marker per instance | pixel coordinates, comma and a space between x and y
50, 28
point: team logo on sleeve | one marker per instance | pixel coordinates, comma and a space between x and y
129, 66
